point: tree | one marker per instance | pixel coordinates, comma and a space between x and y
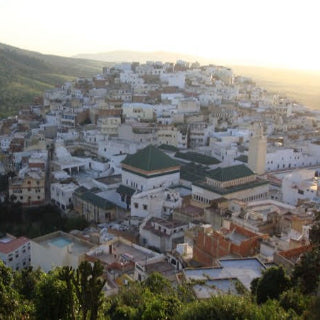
52, 299
295, 300
88, 287
159, 306
158, 284
229, 307
272, 283
9, 298
314, 233
307, 270
66, 274
25, 282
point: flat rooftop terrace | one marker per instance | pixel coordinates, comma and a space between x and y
245, 270
62, 240
122, 250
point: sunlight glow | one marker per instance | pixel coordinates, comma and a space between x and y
269, 33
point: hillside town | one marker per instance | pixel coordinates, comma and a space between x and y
186, 170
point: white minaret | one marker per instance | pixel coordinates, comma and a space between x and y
257, 150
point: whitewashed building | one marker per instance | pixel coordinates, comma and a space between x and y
15, 252
61, 194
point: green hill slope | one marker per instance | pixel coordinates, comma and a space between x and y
26, 74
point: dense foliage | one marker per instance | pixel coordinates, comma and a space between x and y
34, 222
71, 294
25, 75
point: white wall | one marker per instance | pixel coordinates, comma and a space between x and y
141, 183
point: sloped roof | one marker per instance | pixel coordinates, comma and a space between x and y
96, 200
230, 173
197, 157
168, 147
193, 172
7, 247
150, 159
125, 190
242, 158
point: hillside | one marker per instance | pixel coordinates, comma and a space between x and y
26, 74
303, 86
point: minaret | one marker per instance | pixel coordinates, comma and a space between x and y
257, 150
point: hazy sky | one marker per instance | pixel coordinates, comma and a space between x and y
261, 32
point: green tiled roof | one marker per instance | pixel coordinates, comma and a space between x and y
193, 172
96, 200
168, 147
197, 157
242, 158
125, 190
230, 173
149, 159
224, 191
81, 190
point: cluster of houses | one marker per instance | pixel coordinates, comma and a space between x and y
182, 169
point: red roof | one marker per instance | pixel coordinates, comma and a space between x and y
13, 244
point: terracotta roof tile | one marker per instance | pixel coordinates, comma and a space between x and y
12, 245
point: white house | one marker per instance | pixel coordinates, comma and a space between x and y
58, 249
138, 111
61, 194
155, 202
281, 158
162, 234
299, 185
174, 79
15, 252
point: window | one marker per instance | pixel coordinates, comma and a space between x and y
145, 207
136, 205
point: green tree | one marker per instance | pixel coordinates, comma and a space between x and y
9, 298
314, 233
158, 284
185, 293
295, 300
88, 287
272, 283
159, 306
52, 299
313, 311
307, 270
66, 274
228, 307
25, 282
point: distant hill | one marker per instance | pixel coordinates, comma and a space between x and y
25, 74
303, 86
137, 56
